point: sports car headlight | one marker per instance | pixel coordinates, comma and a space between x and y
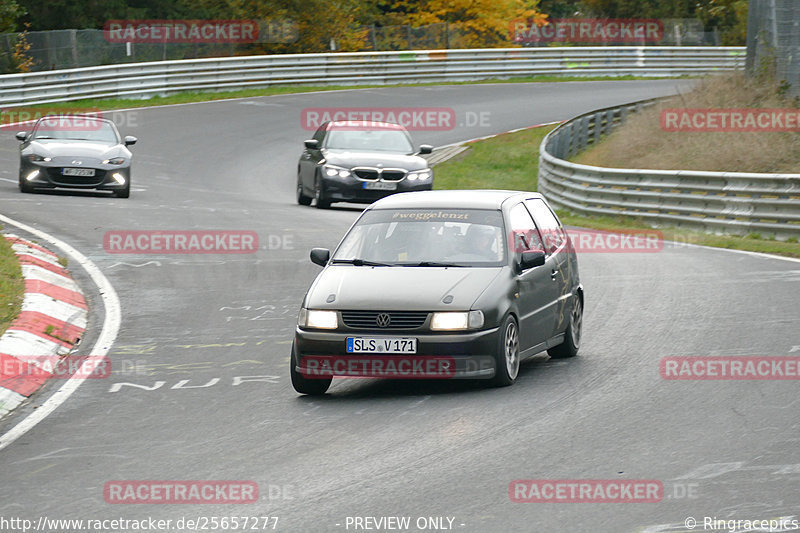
37, 158
315, 318
454, 321
332, 171
114, 161
420, 175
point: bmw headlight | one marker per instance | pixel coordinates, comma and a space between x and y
420, 175
332, 171
114, 161
39, 158
451, 321
318, 319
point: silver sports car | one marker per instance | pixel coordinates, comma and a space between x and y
75, 152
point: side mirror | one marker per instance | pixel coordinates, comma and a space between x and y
21, 136
531, 259
320, 256
425, 149
130, 140
311, 144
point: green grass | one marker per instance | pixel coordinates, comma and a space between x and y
12, 285
751, 242
508, 161
511, 161
199, 96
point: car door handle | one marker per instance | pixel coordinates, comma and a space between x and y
553, 274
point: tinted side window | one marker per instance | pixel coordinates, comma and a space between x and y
551, 230
320, 133
524, 235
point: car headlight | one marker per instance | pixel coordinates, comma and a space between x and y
38, 158
114, 161
332, 171
315, 318
457, 320
420, 175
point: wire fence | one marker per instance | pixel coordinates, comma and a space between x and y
773, 40
64, 49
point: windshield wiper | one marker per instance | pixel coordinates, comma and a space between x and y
431, 264
362, 262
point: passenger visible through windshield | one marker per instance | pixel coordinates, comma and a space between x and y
425, 238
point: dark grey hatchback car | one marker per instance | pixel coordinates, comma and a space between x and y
440, 284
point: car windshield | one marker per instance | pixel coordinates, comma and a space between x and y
377, 140
425, 238
74, 128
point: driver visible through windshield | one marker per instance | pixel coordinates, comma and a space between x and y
359, 139
425, 237
75, 129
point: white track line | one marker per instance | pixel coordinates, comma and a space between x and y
108, 333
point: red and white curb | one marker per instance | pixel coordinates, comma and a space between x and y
51, 322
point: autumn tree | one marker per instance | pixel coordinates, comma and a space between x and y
479, 23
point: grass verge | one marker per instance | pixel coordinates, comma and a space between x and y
642, 143
198, 96
12, 285
511, 161
507, 161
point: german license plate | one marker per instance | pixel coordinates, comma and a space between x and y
380, 185
77, 171
381, 345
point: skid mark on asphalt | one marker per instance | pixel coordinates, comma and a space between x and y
145, 349
134, 265
151, 369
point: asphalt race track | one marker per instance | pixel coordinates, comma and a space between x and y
215, 331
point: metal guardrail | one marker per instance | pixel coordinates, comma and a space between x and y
143, 80
719, 202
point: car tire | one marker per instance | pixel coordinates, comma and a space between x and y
23, 187
302, 199
572, 335
507, 354
320, 201
303, 385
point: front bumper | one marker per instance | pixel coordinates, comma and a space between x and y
50, 176
472, 353
352, 189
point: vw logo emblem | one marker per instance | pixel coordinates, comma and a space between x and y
383, 320
77, 162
